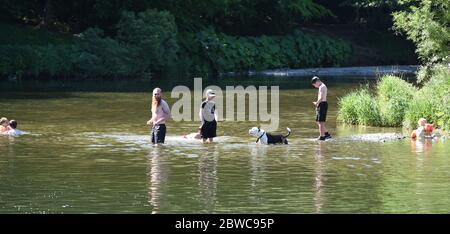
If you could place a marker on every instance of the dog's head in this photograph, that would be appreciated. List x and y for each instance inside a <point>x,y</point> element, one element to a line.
<point>256,131</point>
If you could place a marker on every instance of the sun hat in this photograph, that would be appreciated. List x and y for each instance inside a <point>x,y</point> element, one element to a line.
<point>210,93</point>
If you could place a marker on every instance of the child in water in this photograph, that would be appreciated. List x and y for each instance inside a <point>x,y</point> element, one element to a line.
<point>4,125</point>
<point>13,131</point>
<point>424,130</point>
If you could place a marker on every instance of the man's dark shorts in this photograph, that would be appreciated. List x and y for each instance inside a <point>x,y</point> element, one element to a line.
<point>208,129</point>
<point>158,133</point>
<point>321,112</point>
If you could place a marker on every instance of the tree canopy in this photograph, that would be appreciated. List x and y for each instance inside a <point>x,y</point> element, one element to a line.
<point>235,17</point>
<point>427,24</point>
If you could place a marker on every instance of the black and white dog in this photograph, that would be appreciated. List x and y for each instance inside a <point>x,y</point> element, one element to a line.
<point>267,138</point>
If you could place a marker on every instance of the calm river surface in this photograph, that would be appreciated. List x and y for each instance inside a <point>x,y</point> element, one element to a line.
<point>89,152</point>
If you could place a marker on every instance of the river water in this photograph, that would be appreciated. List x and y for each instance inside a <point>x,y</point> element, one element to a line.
<point>89,152</point>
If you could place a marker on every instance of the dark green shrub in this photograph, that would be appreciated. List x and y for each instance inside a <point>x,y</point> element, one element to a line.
<point>29,60</point>
<point>224,53</point>
<point>151,38</point>
<point>103,56</point>
<point>146,42</point>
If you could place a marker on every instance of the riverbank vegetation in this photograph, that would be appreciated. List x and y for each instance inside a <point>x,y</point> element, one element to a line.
<point>141,38</point>
<point>397,102</point>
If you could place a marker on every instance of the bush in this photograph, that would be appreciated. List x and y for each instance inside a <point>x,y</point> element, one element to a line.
<point>151,37</point>
<point>145,42</point>
<point>103,56</point>
<point>359,107</point>
<point>36,60</point>
<point>394,96</point>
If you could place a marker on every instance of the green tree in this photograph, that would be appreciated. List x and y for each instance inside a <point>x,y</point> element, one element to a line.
<point>145,42</point>
<point>427,24</point>
<point>242,17</point>
<point>151,36</point>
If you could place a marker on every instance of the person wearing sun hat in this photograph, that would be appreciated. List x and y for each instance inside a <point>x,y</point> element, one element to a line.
<point>208,116</point>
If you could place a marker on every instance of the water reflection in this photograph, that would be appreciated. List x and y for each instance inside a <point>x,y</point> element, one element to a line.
<point>5,141</point>
<point>207,179</point>
<point>319,169</point>
<point>422,146</point>
<point>258,171</point>
<point>4,157</point>
<point>158,177</point>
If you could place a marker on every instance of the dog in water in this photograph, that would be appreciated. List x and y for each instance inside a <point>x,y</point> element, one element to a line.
<point>268,138</point>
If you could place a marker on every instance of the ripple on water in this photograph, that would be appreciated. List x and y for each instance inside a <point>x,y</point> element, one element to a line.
<point>140,142</point>
<point>346,158</point>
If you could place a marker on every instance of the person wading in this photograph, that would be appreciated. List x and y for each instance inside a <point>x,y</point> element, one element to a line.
<point>160,113</point>
<point>321,107</point>
<point>208,116</point>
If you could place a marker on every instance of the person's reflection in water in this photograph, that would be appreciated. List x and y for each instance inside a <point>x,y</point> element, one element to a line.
<point>258,170</point>
<point>207,181</point>
<point>423,148</point>
<point>158,177</point>
<point>5,141</point>
<point>8,156</point>
<point>318,177</point>
<point>420,146</point>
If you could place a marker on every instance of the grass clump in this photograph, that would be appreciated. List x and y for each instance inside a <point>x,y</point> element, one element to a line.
<point>359,107</point>
<point>394,96</point>
<point>398,102</point>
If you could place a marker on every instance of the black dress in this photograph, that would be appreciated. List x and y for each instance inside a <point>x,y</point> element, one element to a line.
<point>209,127</point>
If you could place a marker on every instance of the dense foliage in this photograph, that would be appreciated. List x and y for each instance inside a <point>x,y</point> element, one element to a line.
<point>359,107</point>
<point>386,108</point>
<point>230,16</point>
<point>393,96</point>
<point>146,42</point>
<point>427,24</point>
<point>223,53</point>
<point>135,38</point>
<point>432,101</point>
<point>398,103</point>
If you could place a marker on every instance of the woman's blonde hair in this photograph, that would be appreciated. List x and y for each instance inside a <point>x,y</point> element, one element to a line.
<point>3,120</point>
<point>421,120</point>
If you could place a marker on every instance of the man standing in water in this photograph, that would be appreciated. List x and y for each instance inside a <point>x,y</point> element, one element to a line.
<point>321,107</point>
<point>160,113</point>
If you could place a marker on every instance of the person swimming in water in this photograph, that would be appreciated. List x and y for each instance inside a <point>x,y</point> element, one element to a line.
<point>4,125</point>
<point>13,131</point>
